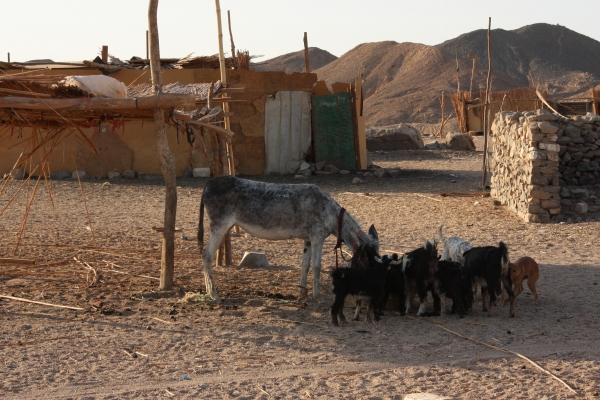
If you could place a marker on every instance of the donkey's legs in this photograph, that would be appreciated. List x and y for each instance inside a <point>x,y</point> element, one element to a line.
<point>304,269</point>
<point>217,233</point>
<point>317,252</point>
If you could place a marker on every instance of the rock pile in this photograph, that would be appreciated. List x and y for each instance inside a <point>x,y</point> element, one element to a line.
<point>540,158</point>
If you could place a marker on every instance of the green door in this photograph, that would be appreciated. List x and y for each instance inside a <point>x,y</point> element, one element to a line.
<point>334,130</point>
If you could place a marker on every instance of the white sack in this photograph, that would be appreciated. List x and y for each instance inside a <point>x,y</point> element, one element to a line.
<point>99,85</point>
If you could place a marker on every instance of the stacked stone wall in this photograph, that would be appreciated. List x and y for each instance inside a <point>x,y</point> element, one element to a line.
<point>544,165</point>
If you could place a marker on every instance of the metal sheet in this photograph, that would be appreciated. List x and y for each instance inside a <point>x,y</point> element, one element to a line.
<point>334,130</point>
<point>287,131</point>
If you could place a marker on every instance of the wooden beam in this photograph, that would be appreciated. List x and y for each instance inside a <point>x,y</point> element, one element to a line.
<point>105,54</point>
<point>162,100</point>
<point>488,90</point>
<point>214,128</point>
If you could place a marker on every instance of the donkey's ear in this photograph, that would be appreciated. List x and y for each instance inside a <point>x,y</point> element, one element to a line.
<point>373,232</point>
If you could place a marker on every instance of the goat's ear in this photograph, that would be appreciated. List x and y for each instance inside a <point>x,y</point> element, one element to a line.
<point>395,257</point>
<point>373,232</point>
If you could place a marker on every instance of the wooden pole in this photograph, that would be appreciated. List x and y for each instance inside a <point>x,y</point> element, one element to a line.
<point>233,56</point>
<point>306,60</point>
<point>147,46</point>
<point>105,53</point>
<point>167,161</point>
<point>226,163</point>
<point>9,58</point>
<point>487,105</point>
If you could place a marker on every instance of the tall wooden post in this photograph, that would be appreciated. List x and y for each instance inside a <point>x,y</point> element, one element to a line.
<point>226,164</point>
<point>486,108</point>
<point>306,60</point>
<point>105,53</point>
<point>167,160</point>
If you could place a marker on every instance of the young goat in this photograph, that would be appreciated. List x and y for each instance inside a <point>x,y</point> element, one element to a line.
<point>366,283</point>
<point>454,247</point>
<point>394,284</point>
<point>454,283</point>
<point>419,267</point>
<point>488,266</point>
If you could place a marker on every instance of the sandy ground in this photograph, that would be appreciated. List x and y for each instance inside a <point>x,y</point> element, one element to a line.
<point>131,341</point>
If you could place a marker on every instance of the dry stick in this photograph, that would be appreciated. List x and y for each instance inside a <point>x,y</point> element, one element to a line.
<point>425,319</point>
<point>304,323</point>
<point>127,273</point>
<point>16,261</point>
<point>161,320</point>
<point>427,197</point>
<point>502,350</point>
<point>38,341</point>
<point>39,302</point>
<point>86,265</point>
<point>87,212</point>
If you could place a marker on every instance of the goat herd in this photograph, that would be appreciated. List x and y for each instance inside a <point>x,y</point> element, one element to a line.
<point>285,211</point>
<point>453,275</point>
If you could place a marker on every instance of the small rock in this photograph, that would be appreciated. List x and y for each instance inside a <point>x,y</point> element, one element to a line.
<point>17,174</point>
<point>356,181</point>
<point>304,165</point>
<point>306,172</point>
<point>201,172</point>
<point>368,174</point>
<point>254,260</point>
<point>79,173</point>
<point>188,173</point>
<point>319,166</point>
<point>394,172</point>
<point>344,172</point>
<point>581,208</point>
<point>331,168</point>
<point>60,175</point>
<point>113,175</point>
<point>379,172</point>
<point>318,172</point>
<point>298,176</point>
<point>128,174</point>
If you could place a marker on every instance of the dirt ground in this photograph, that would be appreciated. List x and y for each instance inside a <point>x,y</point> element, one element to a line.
<point>130,341</point>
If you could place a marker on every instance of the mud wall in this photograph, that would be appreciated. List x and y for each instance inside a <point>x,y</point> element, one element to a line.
<point>133,146</point>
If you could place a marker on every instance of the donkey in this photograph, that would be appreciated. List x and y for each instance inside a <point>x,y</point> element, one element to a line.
<point>276,212</point>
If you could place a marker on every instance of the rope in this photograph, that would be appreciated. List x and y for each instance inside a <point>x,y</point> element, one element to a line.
<point>338,245</point>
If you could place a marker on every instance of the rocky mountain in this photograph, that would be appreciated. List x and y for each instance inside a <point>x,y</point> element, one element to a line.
<point>294,62</point>
<point>404,81</point>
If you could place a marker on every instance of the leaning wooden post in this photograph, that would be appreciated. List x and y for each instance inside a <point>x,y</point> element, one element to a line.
<point>234,59</point>
<point>486,116</point>
<point>167,161</point>
<point>306,60</point>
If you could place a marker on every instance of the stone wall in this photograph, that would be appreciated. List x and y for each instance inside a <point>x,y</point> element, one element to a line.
<point>541,160</point>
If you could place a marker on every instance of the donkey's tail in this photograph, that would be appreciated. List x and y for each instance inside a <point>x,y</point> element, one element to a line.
<point>201,225</point>
<point>504,260</point>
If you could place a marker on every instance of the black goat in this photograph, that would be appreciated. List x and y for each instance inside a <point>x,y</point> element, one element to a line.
<point>454,283</point>
<point>394,284</point>
<point>367,283</point>
<point>419,267</point>
<point>488,266</point>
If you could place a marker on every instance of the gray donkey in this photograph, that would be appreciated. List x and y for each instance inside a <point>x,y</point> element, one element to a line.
<point>276,212</point>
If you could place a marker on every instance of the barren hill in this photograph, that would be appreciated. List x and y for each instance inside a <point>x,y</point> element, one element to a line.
<point>560,59</point>
<point>294,62</point>
<point>403,81</point>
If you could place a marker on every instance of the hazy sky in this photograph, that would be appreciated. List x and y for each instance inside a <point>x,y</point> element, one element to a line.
<point>74,30</point>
